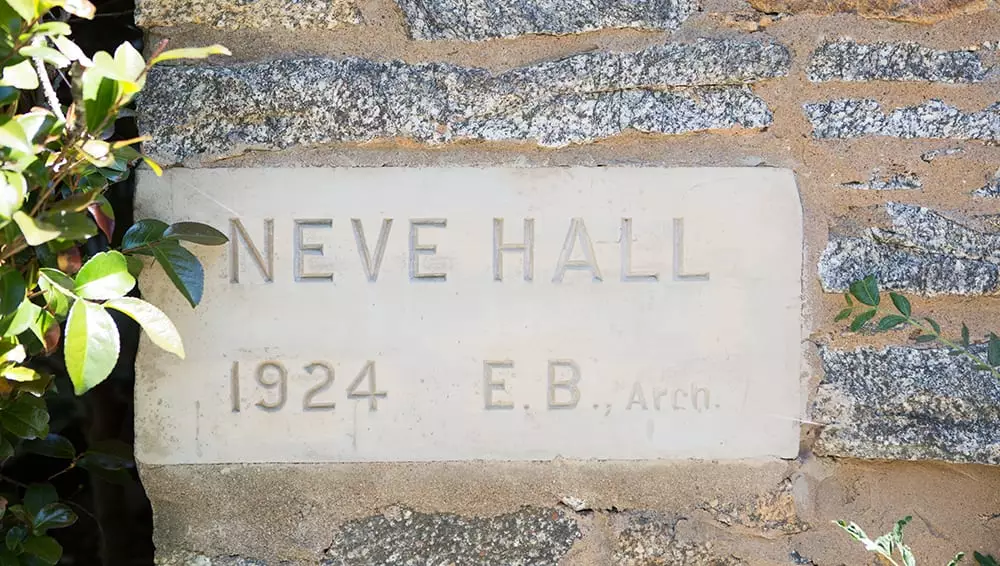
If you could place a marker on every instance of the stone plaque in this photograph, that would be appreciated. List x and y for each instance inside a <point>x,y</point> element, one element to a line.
<point>407,314</point>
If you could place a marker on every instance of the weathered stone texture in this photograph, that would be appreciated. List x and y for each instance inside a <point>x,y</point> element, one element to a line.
<point>531,536</point>
<point>990,189</point>
<point>892,182</point>
<point>854,118</point>
<point>924,11</point>
<point>645,538</point>
<point>922,251</point>
<point>485,19</point>
<point>907,403</point>
<point>847,60</point>
<point>195,559</point>
<point>209,112</point>
<point>933,154</point>
<point>252,14</point>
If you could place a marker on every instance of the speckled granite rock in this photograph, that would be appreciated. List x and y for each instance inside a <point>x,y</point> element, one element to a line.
<point>853,118</point>
<point>892,182</point>
<point>251,14</point>
<point>195,559</point>
<point>990,189</point>
<point>484,19</point>
<point>923,11</point>
<point>907,403</point>
<point>531,536</point>
<point>646,538</point>
<point>847,60</point>
<point>212,112</point>
<point>920,251</point>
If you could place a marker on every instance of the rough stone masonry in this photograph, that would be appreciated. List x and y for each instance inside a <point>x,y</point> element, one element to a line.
<point>850,95</point>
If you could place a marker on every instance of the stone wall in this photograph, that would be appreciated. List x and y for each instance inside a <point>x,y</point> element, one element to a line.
<point>889,114</point>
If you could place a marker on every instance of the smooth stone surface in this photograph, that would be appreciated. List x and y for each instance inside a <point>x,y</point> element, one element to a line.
<point>902,403</point>
<point>848,60</point>
<point>203,113</point>
<point>921,11</point>
<point>477,20</point>
<point>853,118</point>
<point>918,250</point>
<point>253,14</point>
<point>570,364</point>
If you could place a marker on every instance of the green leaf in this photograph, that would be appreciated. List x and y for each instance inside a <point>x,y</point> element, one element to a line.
<point>866,290</point>
<point>57,280</point>
<point>71,225</point>
<point>157,325</point>
<point>15,537</point>
<point>27,417</point>
<point>109,461</point>
<point>191,53</point>
<point>965,335</point>
<point>104,276</point>
<point>6,451</point>
<point>100,96</point>
<point>53,516</point>
<point>12,290</point>
<point>135,265</point>
<point>12,135</point>
<point>848,299</point>
<point>129,62</point>
<point>37,124</point>
<point>143,233</point>
<point>21,320</point>
<point>92,345</point>
<point>183,269</point>
<point>843,314</point>
<point>934,325</point>
<point>13,189</point>
<point>890,321</point>
<point>958,558</point>
<point>993,350</point>
<point>53,446</point>
<point>21,75</point>
<point>902,303</point>
<point>37,496</point>
<point>52,29</point>
<point>47,54</point>
<point>27,9</point>
<point>923,338</point>
<point>985,559</point>
<point>196,233</point>
<point>35,232</point>
<point>21,374</point>
<point>862,319</point>
<point>11,352</point>
<point>45,548</point>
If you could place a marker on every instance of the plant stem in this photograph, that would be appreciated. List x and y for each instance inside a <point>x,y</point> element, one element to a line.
<point>965,351</point>
<point>43,77</point>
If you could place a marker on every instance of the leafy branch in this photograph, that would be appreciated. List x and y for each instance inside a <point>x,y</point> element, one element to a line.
<point>867,309</point>
<point>891,544</point>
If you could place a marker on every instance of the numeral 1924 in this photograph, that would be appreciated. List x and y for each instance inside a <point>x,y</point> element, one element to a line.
<point>272,377</point>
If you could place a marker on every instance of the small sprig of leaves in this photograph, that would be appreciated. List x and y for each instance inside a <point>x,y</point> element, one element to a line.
<point>866,309</point>
<point>890,544</point>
